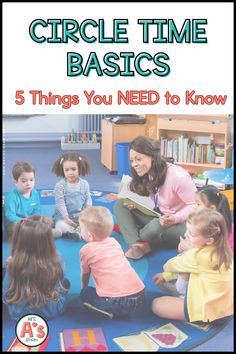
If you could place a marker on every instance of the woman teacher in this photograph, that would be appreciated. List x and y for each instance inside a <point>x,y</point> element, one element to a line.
<point>173,192</point>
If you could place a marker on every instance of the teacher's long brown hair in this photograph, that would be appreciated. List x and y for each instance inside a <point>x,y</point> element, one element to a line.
<point>150,182</point>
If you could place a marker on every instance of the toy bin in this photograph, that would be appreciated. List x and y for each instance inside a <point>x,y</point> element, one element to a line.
<point>122,158</point>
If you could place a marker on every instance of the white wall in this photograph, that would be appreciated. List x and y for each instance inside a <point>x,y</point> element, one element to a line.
<point>48,123</point>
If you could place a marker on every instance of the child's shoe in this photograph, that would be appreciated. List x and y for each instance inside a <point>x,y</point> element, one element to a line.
<point>57,233</point>
<point>138,250</point>
<point>98,311</point>
<point>77,234</point>
<point>74,235</point>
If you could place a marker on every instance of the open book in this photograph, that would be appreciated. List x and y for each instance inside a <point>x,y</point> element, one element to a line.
<point>17,346</point>
<point>151,339</point>
<point>83,340</point>
<point>144,204</point>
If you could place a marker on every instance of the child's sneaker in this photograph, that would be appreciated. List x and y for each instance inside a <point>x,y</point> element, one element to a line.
<point>74,235</point>
<point>98,311</point>
<point>57,233</point>
<point>77,234</point>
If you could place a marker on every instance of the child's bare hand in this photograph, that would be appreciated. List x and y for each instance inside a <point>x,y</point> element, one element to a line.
<point>156,279</point>
<point>184,276</point>
<point>184,244</point>
<point>70,222</point>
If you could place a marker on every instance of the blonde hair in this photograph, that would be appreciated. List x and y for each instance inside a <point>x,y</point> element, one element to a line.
<point>98,220</point>
<point>211,224</point>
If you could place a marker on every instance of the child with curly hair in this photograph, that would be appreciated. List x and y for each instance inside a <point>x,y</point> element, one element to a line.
<point>72,193</point>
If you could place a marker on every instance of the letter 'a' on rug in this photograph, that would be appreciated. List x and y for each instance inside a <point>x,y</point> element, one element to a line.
<point>77,316</point>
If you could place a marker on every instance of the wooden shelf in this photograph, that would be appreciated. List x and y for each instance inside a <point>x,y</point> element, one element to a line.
<point>205,165</point>
<point>217,126</point>
<point>188,125</point>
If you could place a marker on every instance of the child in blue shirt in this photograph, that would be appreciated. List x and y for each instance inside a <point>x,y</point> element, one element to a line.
<point>23,200</point>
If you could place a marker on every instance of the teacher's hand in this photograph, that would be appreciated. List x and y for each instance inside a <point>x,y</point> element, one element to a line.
<point>167,220</point>
<point>129,206</point>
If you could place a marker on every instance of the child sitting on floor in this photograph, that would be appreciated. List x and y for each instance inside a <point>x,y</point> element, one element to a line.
<point>34,279</point>
<point>72,193</point>
<point>209,263</point>
<point>209,196</point>
<point>118,289</point>
<point>23,200</point>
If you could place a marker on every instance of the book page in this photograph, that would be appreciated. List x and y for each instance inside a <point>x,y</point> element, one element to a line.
<point>136,343</point>
<point>84,339</point>
<point>144,209</point>
<point>144,204</point>
<point>17,346</point>
<point>61,342</point>
<point>167,336</point>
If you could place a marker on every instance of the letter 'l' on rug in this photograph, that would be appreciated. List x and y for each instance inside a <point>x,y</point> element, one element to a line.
<point>76,316</point>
